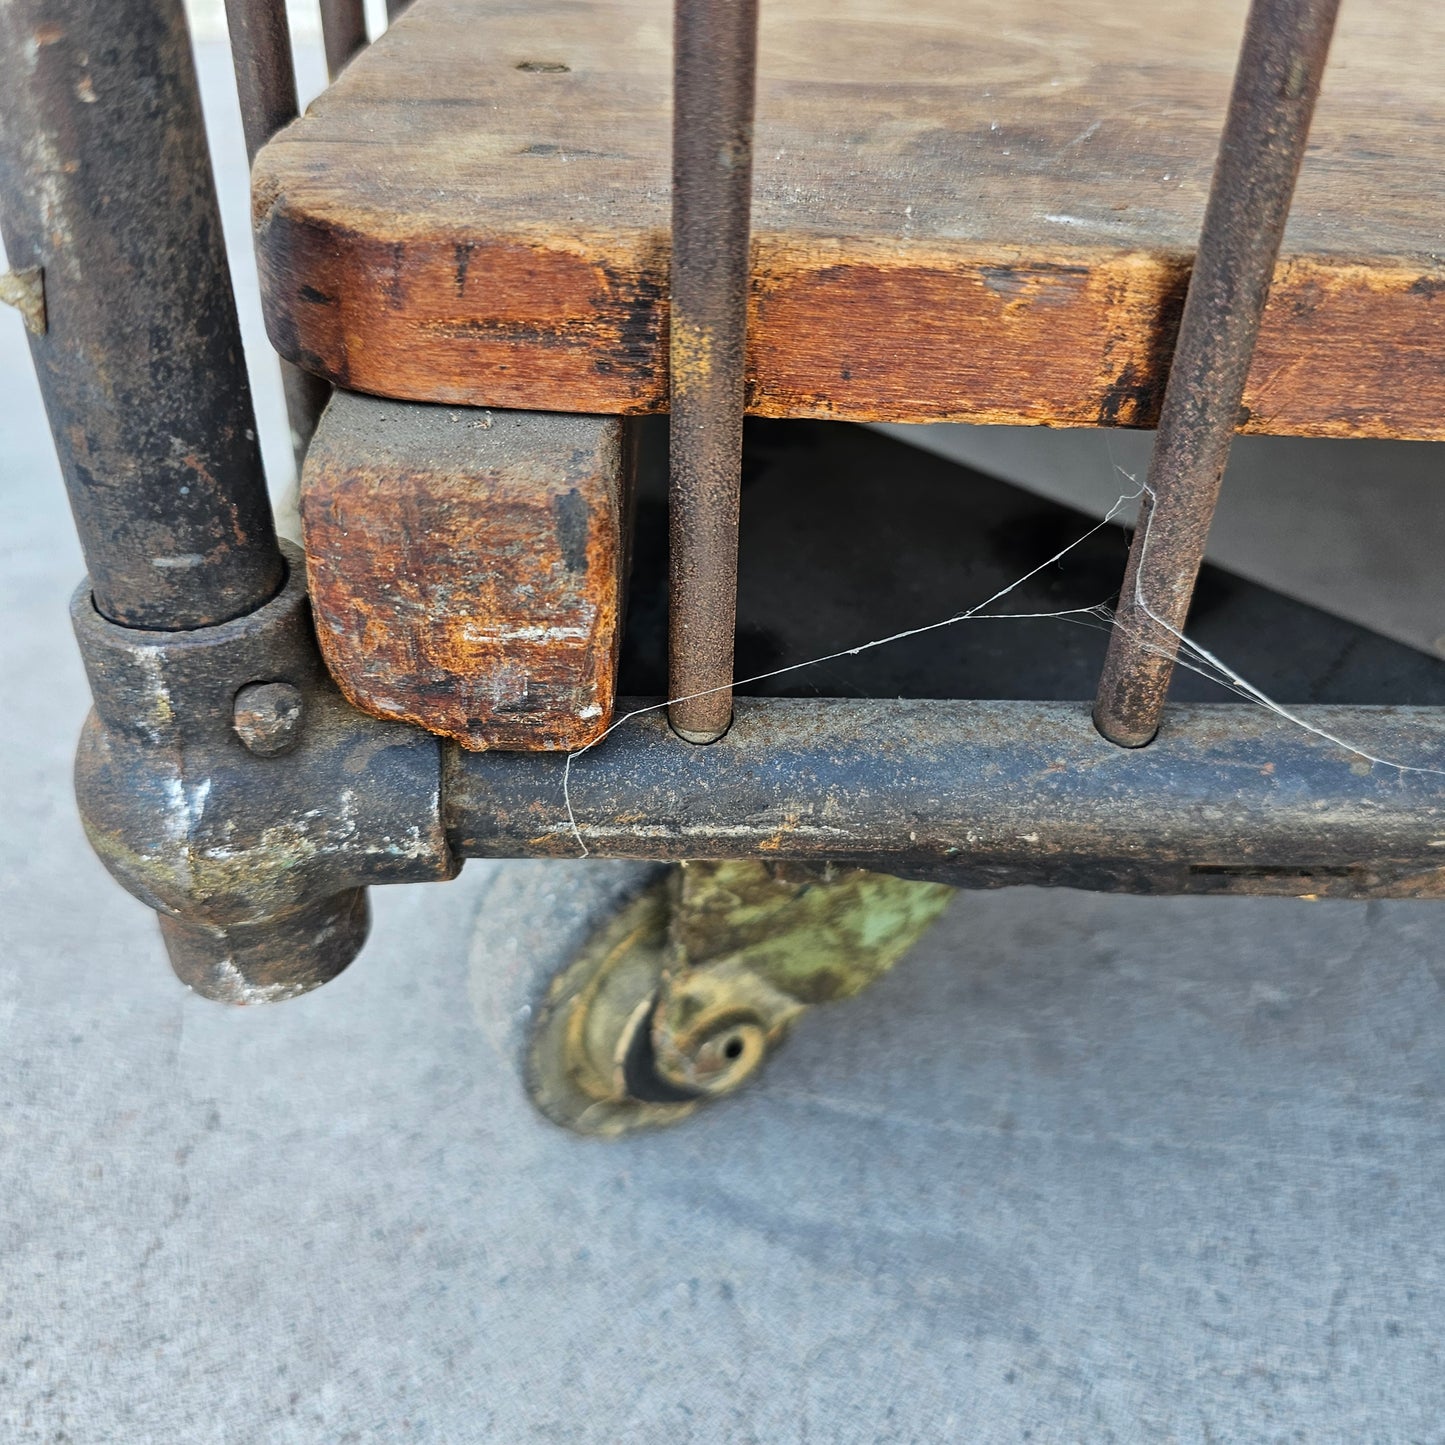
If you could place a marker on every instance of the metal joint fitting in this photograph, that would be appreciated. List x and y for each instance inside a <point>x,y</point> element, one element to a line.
<point>251,821</point>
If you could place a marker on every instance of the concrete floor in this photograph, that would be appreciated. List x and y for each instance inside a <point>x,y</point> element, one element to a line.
<point>1083,1169</point>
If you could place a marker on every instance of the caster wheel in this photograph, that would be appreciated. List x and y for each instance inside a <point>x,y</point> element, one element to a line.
<point>533,922</point>
<point>630,994</point>
<point>626,1040</point>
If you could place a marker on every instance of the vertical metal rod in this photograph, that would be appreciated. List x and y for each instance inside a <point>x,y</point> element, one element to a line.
<point>266,85</point>
<point>714,64</point>
<point>1275,85</point>
<point>343,32</point>
<point>105,184</point>
<point>265,71</point>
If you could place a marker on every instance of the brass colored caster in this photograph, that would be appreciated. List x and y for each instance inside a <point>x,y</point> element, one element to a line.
<point>681,995</point>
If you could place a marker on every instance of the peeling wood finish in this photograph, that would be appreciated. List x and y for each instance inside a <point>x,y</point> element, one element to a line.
<point>981,212</point>
<point>466,568</point>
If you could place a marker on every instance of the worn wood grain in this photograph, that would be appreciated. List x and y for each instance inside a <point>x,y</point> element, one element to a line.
<point>466,567</point>
<point>980,210</point>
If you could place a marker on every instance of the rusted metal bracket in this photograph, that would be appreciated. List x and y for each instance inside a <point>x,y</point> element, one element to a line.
<point>224,781</point>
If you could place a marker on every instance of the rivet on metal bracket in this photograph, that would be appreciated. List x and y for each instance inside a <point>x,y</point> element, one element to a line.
<point>267,717</point>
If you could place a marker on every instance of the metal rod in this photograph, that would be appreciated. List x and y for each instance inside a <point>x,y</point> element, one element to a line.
<point>715,59</point>
<point>1275,85</point>
<point>265,71</point>
<point>1231,798</point>
<point>105,184</point>
<point>266,86</point>
<point>343,32</point>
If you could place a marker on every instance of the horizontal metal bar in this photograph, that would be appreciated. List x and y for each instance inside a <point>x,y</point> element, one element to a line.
<point>1275,85</point>
<point>266,87</point>
<point>1228,799</point>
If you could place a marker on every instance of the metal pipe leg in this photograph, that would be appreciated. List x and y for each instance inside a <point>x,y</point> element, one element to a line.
<point>105,186</point>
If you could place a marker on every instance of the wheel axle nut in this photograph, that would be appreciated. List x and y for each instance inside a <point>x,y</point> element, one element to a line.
<point>710,1040</point>
<point>267,717</point>
<point>724,1059</point>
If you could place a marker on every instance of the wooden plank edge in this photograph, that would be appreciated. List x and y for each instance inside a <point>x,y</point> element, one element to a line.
<point>1351,346</point>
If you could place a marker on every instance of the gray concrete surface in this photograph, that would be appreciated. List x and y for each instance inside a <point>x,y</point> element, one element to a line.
<point>1084,1169</point>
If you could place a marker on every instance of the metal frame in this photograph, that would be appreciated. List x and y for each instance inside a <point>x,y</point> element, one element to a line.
<point>224,780</point>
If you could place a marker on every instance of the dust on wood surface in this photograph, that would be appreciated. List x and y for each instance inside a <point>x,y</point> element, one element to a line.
<point>979,210</point>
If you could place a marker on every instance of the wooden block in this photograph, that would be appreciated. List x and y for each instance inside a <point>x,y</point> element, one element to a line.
<point>467,567</point>
<point>970,210</point>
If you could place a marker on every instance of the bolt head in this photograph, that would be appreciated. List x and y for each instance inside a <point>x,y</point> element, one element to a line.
<point>268,716</point>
